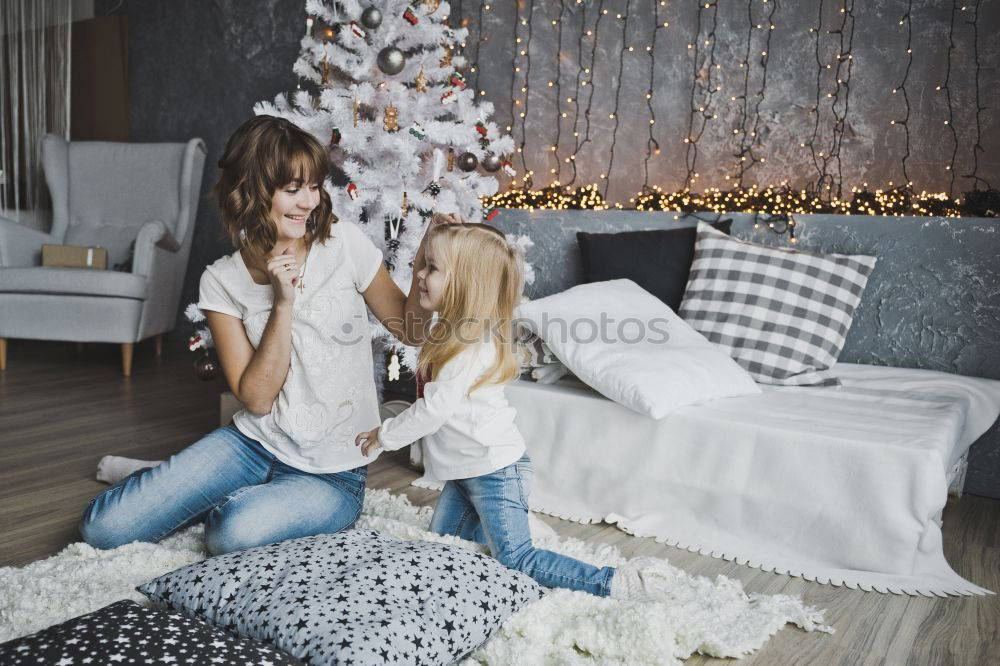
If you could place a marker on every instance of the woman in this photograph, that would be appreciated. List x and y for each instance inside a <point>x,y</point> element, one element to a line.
<point>287,312</point>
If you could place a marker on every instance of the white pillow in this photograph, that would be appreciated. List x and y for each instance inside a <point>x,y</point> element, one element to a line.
<point>627,344</point>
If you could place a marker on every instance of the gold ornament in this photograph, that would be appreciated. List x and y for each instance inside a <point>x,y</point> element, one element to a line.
<point>356,107</point>
<point>391,122</point>
<point>405,208</point>
<point>421,81</point>
<point>446,60</point>
<point>326,72</point>
<point>451,160</point>
<point>432,5</point>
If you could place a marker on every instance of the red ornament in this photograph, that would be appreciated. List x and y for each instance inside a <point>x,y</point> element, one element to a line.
<point>352,191</point>
<point>411,15</point>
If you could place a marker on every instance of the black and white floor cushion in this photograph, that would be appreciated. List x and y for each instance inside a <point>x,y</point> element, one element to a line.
<point>356,597</point>
<point>126,633</point>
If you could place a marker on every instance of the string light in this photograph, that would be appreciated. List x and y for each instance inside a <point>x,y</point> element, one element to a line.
<point>576,95</point>
<point>558,82</point>
<point>618,92</point>
<point>527,92</point>
<point>905,122</point>
<point>708,91</point>
<point>977,147</point>
<point>946,86</point>
<point>651,143</point>
<point>773,204</point>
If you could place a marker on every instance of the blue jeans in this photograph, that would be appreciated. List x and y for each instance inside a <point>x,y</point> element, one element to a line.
<point>493,510</point>
<point>245,495</point>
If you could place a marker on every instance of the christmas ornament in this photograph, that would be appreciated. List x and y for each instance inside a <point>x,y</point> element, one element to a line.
<point>206,368</point>
<point>491,163</point>
<point>352,191</point>
<point>326,72</point>
<point>420,83</point>
<point>410,14</point>
<point>371,18</point>
<point>405,208</point>
<point>394,368</point>
<point>490,212</point>
<point>391,121</point>
<point>356,109</point>
<point>432,5</point>
<point>446,60</point>
<point>451,160</point>
<point>508,168</point>
<point>335,137</point>
<point>391,60</point>
<point>433,189</point>
<point>481,128</point>
<point>196,342</point>
<point>357,31</point>
<point>457,80</point>
<point>467,162</point>
<point>449,34</point>
<point>484,143</point>
<point>438,165</point>
<point>417,131</point>
<point>449,97</point>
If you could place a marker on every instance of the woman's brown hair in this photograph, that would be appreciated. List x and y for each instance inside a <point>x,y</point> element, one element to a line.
<point>263,155</point>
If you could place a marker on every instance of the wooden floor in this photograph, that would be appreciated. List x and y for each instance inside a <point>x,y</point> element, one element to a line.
<point>62,408</point>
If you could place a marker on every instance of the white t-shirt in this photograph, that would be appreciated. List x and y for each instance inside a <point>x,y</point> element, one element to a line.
<point>464,435</point>
<point>329,394</point>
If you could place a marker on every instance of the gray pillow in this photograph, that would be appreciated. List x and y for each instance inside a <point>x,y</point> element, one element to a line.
<point>353,597</point>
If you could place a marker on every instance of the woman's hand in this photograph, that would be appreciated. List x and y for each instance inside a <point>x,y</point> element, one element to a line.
<point>368,441</point>
<point>283,271</point>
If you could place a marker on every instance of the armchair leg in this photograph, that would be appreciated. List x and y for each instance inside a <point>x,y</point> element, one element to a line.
<point>127,359</point>
<point>3,353</point>
<point>158,341</point>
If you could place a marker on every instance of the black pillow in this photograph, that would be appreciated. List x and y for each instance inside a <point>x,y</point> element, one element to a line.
<point>127,633</point>
<point>658,260</point>
<point>352,597</point>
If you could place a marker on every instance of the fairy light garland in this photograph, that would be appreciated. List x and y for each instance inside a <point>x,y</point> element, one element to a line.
<point>818,163</point>
<point>558,89</point>
<point>946,86</point>
<point>526,89</point>
<point>708,90</point>
<point>589,83</point>
<point>905,121</point>
<point>748,140</point>
<point>844,59</point>
<point>978,146</point>
<point>606,176</point>
<point>652,146</point>
<point>782,200</point>
<point>575,100</point>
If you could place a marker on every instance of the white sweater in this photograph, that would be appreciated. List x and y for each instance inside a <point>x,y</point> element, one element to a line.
<point>464,435</point>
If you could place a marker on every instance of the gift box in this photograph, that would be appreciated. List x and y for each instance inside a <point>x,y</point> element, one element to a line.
<point>74,256</point>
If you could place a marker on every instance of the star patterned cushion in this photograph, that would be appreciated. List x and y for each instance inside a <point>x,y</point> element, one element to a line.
<point>355,597</point>
<point>127,633</point>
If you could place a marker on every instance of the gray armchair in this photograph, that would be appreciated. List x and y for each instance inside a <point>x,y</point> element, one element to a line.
<point>109,195</point>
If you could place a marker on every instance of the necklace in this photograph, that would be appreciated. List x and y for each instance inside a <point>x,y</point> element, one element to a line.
<point>301,284</point>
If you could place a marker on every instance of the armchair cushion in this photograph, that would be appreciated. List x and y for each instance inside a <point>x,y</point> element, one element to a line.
<point>115,238</point>
<point>21,245</point>
<point>76,281</point>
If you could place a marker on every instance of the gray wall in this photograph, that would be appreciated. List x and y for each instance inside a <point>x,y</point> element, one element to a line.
<point>872,148</point>
<point>196,68</point>
<point>931,302</point>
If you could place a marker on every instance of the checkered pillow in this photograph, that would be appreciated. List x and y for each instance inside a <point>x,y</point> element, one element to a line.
<point>783,315</point>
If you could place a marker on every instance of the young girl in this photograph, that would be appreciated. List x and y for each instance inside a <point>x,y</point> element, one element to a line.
<point>287,312</point>
<point>472,278</point>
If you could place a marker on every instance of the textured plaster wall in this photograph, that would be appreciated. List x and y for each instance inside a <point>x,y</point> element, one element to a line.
<point>872,148</point>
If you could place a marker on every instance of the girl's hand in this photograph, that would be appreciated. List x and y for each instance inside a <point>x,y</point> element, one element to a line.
<point>436,219</point>
<point>368,441</point>
<point>284,273</point>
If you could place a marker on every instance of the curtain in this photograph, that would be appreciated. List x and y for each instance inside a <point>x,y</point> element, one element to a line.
<point>34,93</point>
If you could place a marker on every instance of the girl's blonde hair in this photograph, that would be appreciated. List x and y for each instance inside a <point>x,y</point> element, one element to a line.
<point>263,155</point>
<point>483,281</point>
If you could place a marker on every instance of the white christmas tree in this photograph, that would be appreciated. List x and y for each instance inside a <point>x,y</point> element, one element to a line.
<point>390,100</point>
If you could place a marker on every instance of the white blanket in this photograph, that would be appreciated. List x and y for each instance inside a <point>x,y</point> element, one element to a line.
<point>838,485</point>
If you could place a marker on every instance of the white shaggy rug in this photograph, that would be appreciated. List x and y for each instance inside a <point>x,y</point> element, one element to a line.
<point>715,618</point>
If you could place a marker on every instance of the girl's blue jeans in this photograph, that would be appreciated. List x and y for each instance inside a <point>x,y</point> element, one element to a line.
<point>493,510</point>
<point>245,495</point>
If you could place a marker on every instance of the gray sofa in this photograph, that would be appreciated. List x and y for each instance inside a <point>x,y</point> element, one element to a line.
<point>132,199</point>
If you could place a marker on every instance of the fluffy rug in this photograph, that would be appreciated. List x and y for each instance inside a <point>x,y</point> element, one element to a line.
<point>716,618</point>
